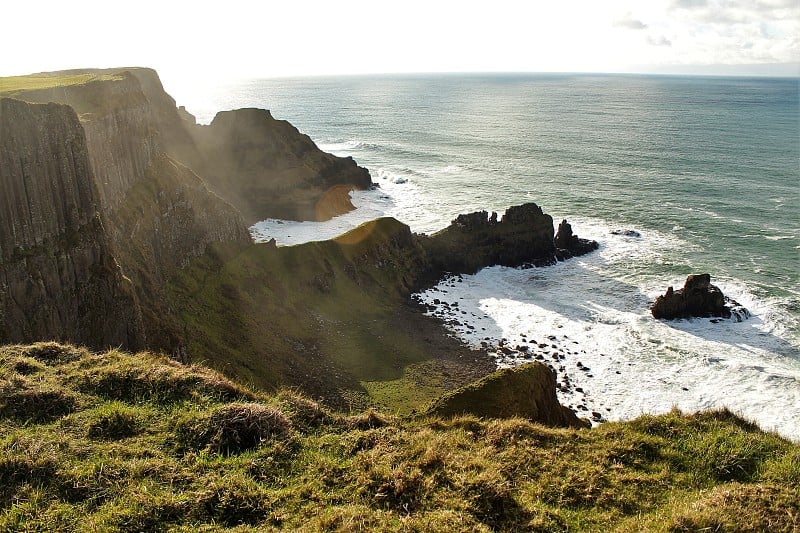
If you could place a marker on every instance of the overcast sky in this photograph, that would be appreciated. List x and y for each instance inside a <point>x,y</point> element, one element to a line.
<point>234,38</point>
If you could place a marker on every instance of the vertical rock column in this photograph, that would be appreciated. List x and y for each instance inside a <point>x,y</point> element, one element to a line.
<point>58,277</point>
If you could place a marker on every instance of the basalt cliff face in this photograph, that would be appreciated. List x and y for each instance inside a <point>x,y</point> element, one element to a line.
<point>58,276</point>
<point>159,214</point>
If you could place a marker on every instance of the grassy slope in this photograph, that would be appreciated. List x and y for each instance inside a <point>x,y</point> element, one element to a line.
<point>117,442</point>
<point>276,316</point>
<point>13,85</point>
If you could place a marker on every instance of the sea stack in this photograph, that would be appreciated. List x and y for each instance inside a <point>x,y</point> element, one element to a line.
<point>697,298</point>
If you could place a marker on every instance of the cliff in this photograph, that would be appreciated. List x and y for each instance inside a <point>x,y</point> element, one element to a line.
<point>159,213</point>
<point>268,169</point>
<point>273,316</point>
<point>58,276</point>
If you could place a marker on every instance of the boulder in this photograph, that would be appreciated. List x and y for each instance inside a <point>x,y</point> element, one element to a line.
<point>697,298</point>
<point>526,391</point>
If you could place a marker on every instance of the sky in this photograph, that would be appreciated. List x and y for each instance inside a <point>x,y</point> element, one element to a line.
<point>243,39</point>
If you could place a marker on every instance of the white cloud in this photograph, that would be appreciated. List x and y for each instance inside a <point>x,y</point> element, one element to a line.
<point>240,38</point>
<point>630,23</point>
<point>659,41</point>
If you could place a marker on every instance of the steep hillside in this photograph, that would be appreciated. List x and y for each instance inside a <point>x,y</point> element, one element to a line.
<point>119,442</point>
<point>58,276</point>
<point>332,318</point>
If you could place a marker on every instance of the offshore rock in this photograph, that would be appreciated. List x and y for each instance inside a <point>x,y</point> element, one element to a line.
<point>570,245</point>
<point>526,391</point>
<point>58,277</point>
<point>697,298</point>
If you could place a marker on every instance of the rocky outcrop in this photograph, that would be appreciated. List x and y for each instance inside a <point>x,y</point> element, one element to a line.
<point>58,277</point>
<point>268,169</point>
<point>526,391</point>
<point>524,236</point>
<point>570,245</point>
<point>697,298</point>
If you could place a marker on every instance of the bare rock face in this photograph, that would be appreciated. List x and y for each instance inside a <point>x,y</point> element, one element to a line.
<point>158,213</point>
<point>526,391</point>
<point>58,277</point>
<point>268,169</point>
<point>697,298</point>
<point>524,236</point>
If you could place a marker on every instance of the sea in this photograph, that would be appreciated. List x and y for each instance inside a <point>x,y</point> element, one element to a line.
<point>671,175</point>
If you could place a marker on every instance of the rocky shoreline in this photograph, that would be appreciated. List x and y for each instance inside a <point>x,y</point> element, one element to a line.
<point>558,352</point>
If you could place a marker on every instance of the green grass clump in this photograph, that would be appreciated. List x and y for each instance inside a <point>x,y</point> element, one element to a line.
<point>226,458</point>
<point>234,428</point>
<point>114,421</point>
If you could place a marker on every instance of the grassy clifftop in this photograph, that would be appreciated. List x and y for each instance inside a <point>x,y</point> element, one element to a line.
<point>13,85</point>
<point>120,442</point>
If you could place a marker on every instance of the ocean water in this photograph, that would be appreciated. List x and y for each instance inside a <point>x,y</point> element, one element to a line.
<point>706,170</point>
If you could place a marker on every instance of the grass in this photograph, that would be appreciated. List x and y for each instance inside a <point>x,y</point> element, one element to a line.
<point>14,85</point>
<point>212,455</point>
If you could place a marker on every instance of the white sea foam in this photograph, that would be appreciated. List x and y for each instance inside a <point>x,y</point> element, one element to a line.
<point>394,197</point>
<point>593,312</point>
<point>369,206</point>
<point>343,148</point>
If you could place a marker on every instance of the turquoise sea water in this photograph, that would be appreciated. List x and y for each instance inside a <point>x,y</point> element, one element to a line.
<point>706,169</point>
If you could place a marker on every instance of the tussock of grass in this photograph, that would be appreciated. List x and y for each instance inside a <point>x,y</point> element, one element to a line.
<point>304,413</point>
<point>369,419</point>
<point>234,428</point>
<point>742,508</point>
<point>36,405</point>
<point>216,457</point>
<point>115,421</point>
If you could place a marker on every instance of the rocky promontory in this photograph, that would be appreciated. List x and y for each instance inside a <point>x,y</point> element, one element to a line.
<point>523,236</point>
<point>268,169</point>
